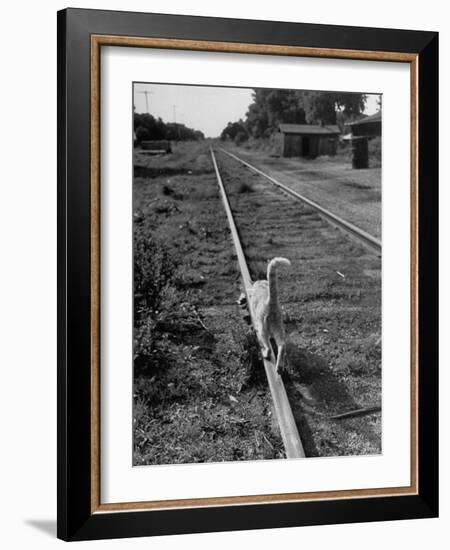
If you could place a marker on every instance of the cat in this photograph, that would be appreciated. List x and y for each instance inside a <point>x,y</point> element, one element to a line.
<point>266,313</point>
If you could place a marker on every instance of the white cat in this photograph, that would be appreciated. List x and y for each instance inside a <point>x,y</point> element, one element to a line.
<point>267,314</point>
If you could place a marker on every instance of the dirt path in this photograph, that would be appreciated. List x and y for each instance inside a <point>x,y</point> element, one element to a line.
<point>354,195</point>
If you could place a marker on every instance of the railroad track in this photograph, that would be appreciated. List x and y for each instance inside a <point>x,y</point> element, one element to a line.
<point>283,412</point>
<point>354,232</point>
<point>285,418</point>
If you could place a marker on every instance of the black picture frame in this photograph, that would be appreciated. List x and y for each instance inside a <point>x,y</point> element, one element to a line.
<point>76,521</point>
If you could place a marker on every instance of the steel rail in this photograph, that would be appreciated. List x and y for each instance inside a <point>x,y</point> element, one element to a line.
<point>370,242</point>
<point>288,428</point>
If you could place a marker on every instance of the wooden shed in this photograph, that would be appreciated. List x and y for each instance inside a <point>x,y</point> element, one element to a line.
<point>307,140</point>
<point>369,126</point>
<point>362,131</point>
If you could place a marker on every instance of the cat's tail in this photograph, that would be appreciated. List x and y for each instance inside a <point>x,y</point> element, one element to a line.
<point>272,277</point>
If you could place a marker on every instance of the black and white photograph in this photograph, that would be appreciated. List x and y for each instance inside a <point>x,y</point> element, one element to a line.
<point>256,273</point>
<point>225,288</point>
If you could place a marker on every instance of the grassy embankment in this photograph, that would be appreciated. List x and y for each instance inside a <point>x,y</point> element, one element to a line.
<point>198,391</point>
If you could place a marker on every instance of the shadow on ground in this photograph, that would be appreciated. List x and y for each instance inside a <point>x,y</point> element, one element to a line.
<point>46,526</point>
<point>315,392</point>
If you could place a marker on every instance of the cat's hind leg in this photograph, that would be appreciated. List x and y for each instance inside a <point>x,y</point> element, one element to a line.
<point>280,358</point>
<point>265,342</point>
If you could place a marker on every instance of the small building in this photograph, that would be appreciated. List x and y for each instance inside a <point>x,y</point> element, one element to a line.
<point>369,126</point>
<point>361,132</point>
<point>307,140</point>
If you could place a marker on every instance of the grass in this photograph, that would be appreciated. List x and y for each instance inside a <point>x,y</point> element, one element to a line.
<point>201,394</point>
<point>270,147</point>
<point>333,321</point>
<point>198,395</point>
<point>189,158</point>
<point>244,187</point>
<point>200,408</point>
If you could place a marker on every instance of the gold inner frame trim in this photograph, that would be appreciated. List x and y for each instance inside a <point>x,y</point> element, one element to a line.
<point>97,41</point>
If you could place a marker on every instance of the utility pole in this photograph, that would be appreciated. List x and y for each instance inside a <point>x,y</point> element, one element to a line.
<point>146,93</point>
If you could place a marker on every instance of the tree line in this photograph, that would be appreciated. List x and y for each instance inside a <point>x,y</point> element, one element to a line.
<point>147,127</point>
<point>270,107</point>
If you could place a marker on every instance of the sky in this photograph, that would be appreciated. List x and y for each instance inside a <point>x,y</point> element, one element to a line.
<point>204,108</point>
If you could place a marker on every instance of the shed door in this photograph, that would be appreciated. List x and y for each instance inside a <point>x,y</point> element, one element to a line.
<point>306,146</point>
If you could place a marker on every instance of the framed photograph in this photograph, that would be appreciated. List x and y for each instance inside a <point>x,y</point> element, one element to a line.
<point>247,255</point>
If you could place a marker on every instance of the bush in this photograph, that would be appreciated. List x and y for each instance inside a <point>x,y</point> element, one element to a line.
<point>240,138</point>
<point>344,151</point>
<point>142,133</point>
<point>249,353</point>
<point>375,152</point>
<point>154,270</point>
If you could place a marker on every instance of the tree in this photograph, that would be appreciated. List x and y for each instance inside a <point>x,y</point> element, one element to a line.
<point>147,127</point>
<point>142,133</point>
<point>240,137</point>
<point>271,107</point>
<point>232,129</point>
<point>323,107</point>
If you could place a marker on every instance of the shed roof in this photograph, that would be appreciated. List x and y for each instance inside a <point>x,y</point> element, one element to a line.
<point>372,118</point>
<point>309,129</point>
